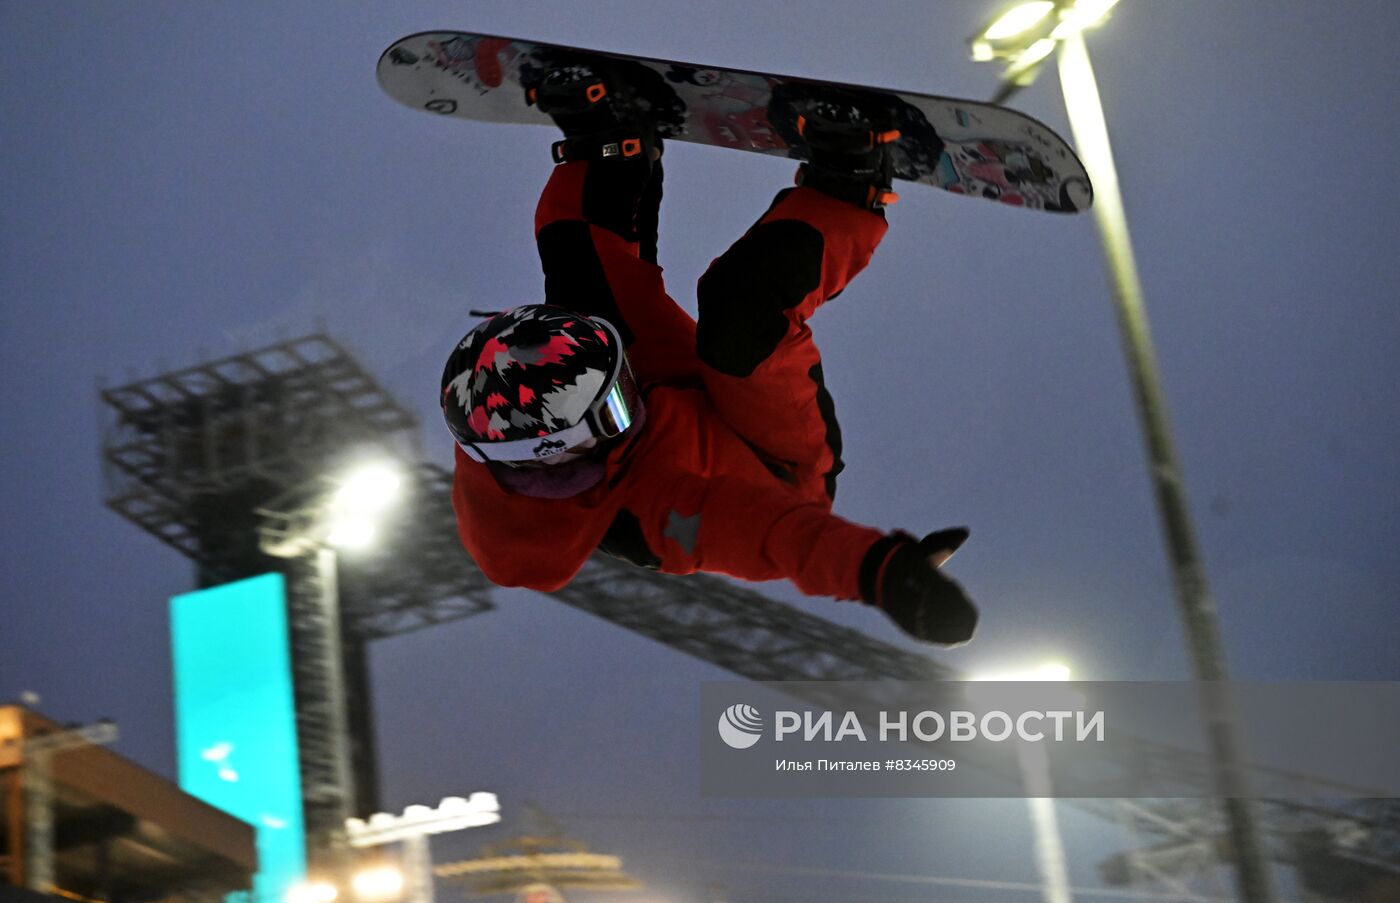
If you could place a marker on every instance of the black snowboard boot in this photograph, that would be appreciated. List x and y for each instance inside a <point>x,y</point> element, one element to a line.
<point>848,137</point>
<point>592,102</point>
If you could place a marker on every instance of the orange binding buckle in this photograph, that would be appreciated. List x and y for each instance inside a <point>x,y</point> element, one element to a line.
<point>879,198</point>
<point>801,125</point>
<point>631,147</point>
<point>596,92</point>
<point>887,137</point>
<point>531,95</point>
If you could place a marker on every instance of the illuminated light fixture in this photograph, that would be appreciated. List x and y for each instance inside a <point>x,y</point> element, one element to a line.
<point>228,774</point>
<point>1050,671</point>
<point>1084,14</point>
<point>454,813</point>
<point>1018,20</point>
<point>370,488</point>
<point>378,883</point>
<point>361,496</point>
<point>312,892</point>
<point>1026,34</point>
<point>351,532</point>
<point>1035,53</point>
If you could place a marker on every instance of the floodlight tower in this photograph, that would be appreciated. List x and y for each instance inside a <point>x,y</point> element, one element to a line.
<point>1024,36</point>
<point>192,455</point>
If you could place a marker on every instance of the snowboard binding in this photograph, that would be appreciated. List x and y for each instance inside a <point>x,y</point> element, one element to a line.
<point>597,108</point>
<point>848,136</point>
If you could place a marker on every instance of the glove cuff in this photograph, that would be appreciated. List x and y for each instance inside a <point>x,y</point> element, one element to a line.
<point>872,566</point>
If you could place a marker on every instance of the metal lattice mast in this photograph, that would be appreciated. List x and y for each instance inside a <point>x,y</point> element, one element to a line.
<point>323,737</point>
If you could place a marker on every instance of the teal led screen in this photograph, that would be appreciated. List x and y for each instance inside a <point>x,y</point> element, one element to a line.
<point>235,725</point>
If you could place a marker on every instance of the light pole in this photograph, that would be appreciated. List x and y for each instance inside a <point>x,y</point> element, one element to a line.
<point>1034,763</point>
<point>1024,36</point>
<point>308,526</point>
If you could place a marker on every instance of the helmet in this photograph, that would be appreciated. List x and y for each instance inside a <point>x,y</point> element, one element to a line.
<point>531,383</point>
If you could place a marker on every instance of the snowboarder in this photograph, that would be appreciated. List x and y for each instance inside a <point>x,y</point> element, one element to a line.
<point>607,418</point>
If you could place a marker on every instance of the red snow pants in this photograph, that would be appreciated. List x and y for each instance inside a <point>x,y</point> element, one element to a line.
<point>751,346</point>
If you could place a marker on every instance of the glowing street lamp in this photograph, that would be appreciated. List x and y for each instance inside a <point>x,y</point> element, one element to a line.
<point>1023,38</point>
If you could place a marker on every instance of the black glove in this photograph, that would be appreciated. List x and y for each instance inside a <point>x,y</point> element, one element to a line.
<point>898,578</point>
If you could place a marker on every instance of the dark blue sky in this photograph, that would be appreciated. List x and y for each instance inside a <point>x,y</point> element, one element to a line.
<point>183,181</point>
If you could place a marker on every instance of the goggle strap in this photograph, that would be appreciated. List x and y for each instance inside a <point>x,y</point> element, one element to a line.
<point>525,449</point>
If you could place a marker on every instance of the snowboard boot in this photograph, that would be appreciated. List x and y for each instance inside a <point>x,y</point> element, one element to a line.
<point>848,138</point>
<point>593,104</point>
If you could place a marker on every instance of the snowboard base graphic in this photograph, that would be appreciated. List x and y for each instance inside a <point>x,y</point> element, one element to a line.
<point>961,146</point>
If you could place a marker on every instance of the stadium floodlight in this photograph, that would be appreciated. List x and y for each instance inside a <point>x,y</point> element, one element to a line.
<point>361,496</point>
<point>1081,15</point>
<point>351,532</point>
<point>454,813</point>
<point>1025,34</point>
<point>331,511</point>
<point>368,489</point>
<point>1050,671</point>
<point>1018,20</point>
<point>413,828</point>
<point>378,883</point>
<point>312,892</point>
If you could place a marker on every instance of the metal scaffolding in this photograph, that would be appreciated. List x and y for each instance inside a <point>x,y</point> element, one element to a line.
<point>196,457</point>
<point>38,753</point>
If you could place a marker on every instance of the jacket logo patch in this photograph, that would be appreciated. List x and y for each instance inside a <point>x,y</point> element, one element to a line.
<point>684,530</point>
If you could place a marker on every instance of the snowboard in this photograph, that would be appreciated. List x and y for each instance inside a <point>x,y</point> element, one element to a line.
<point>962,146</point>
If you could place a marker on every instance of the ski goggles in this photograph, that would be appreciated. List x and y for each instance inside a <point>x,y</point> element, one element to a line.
<point>612,412</point>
